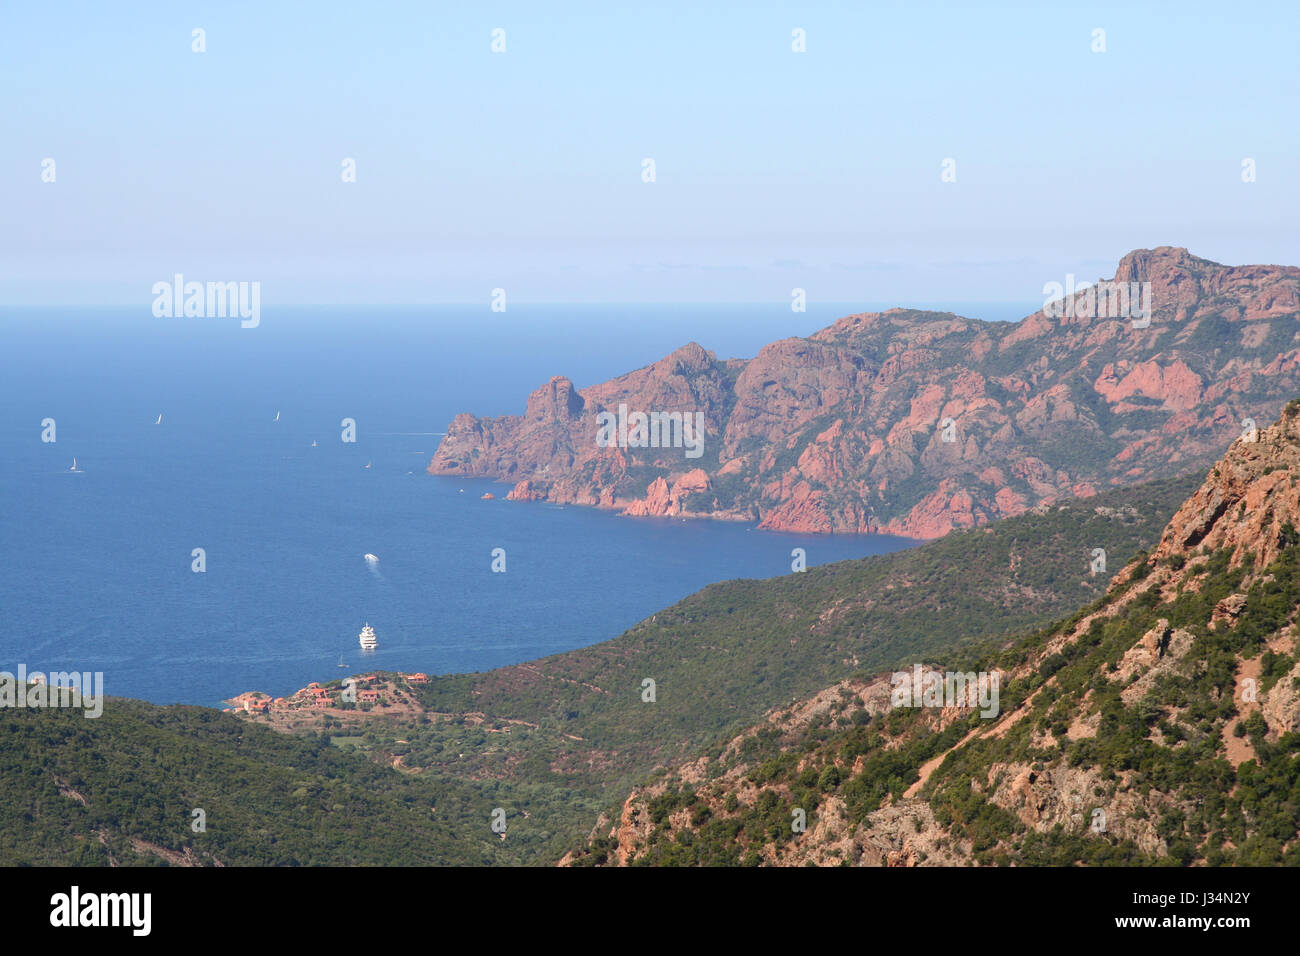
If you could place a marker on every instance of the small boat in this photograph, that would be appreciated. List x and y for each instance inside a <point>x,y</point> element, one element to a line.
<point>369,463</point>
<point>74,465</point>
<point>159,421</point>
<point>341,664</point>
<point>313,444</point>
<point>371,558</point>
<point>368,640</point>
<point>277,416</point>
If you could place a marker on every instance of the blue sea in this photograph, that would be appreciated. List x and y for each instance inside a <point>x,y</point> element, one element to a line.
<point>97,563</point>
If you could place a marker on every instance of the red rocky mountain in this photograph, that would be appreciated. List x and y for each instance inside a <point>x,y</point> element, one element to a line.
<point>912,422</point>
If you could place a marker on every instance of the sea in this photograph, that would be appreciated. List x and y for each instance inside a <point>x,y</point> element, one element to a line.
<point>247,477</point>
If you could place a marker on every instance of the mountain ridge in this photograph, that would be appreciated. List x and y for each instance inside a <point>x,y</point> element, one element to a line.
<point>914,423</point>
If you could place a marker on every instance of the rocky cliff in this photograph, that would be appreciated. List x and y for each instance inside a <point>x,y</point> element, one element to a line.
<point>1157,725</point>
<point>915,423</point>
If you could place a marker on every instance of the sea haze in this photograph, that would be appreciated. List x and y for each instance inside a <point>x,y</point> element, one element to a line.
<point>97,564</point>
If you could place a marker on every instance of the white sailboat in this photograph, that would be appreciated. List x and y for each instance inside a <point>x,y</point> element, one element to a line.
<point>368,464</point>
<point>341,664</point>
<point>277,416</point>
<point>159,421</point>
<point>74,465</point>
<point>313,444</point>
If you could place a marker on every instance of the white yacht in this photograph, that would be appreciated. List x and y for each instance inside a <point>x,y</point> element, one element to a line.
<point>371,558</point>
<point>277,416</point>
<point>368,639</point>
<point>74,465</point>
<point>159,421</point>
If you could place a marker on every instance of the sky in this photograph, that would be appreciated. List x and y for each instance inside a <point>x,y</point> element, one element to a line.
<point>524,169</point>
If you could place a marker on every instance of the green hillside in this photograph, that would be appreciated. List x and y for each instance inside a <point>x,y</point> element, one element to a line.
<point>121,789</point>
<point>1160,725</point>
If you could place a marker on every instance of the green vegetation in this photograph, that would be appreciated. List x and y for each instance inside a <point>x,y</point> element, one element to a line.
<point>1256,807</point>
<point>724,656</point>
<point>1156,761</point>
<point>104,791</point>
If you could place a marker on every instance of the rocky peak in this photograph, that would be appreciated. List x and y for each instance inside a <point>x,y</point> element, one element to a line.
<point>1249,502</point>
<point>556,399</point>
<point>1143,265</point>
<point>691,357</point>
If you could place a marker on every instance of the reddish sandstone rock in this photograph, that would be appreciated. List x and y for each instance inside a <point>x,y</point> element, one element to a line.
<point>662,499</point>
<point>919,422</point>
<point>1175,385</point>
<point>526,490</point>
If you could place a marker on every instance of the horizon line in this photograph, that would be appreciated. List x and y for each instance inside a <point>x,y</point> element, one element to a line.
<point>763,303</point>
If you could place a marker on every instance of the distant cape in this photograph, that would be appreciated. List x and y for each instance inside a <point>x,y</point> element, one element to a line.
<point>914,423</point>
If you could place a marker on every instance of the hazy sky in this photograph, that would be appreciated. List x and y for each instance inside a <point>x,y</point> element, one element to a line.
<point>523,169</point>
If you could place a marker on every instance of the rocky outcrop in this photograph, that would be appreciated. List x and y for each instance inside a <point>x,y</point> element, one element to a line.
<point>1281,706</point>
<point>1248,504</point>
<point>662,499</point>
<point>915,423</point>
